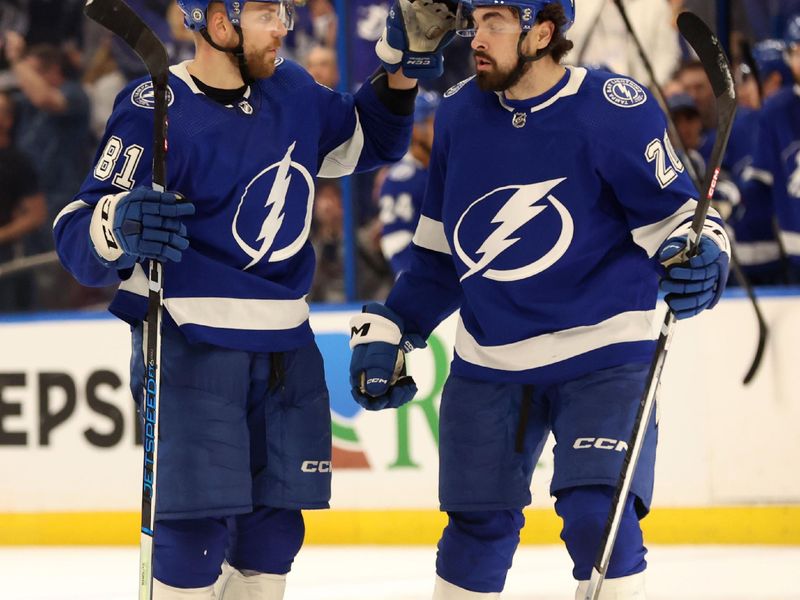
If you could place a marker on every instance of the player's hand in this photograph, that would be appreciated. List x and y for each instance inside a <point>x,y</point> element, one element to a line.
<point>416,33</point>
<point>141,224</point>
<point>378,377</point>
<point>697,284</point>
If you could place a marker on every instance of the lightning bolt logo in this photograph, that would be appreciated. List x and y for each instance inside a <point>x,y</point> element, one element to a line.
<point>521,208</point>
<point>277,200</point>
<point>518,210</point>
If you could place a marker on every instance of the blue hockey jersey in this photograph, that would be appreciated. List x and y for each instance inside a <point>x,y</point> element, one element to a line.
<point>773,179</point>
<point>541,222</point>
<point>757,248</point>
<point>249,168</point>
<point>400,202</point>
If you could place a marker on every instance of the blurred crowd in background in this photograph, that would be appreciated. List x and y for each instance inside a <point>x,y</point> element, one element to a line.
<point>60,74</point>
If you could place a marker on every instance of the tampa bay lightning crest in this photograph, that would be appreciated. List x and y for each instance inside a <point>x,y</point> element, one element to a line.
<point>273,219</point>
<point>497,232</point>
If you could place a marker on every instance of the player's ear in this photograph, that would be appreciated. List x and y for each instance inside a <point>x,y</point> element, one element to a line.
<point>543,33</point>
<point>219,27</point>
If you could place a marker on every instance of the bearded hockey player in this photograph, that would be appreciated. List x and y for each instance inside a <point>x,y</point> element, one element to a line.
<point>245,421</point>
<point>554,197</point>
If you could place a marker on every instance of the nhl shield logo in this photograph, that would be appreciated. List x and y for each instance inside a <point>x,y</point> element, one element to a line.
<point>519,120</point>
<point>246,107</point>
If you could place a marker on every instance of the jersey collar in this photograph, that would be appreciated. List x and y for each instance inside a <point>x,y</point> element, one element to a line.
<point>181,71</point>
<point>569,85</point>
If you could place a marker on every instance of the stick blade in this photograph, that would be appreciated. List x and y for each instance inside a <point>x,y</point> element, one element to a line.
<point>120,19</point>
<point>709,51</point>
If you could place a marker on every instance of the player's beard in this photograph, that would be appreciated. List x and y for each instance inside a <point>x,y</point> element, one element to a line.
<point>498,80</point>
<point>260,64</point>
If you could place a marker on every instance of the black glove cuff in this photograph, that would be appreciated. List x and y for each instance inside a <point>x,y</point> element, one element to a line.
<point>399,102</point>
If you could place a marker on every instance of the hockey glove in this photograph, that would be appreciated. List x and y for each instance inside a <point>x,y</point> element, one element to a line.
<point>142,224</point>
<point>416,33</point>
<point>696,285</point>
<point>378,377</point>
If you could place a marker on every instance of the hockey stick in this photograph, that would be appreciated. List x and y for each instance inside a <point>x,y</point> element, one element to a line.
<point>117,17</point>
<point>716,65</point>
<point>763,331</point>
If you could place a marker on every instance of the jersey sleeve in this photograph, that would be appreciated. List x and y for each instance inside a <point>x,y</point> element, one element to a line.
<point>400,201</point>
<point>359,133</point>
<point>648,178</point>
<point>123,161</point>
<point>429,290</point>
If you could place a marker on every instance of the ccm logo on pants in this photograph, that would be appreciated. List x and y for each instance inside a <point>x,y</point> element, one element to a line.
<point>316,466</point>
<point>600,444</point>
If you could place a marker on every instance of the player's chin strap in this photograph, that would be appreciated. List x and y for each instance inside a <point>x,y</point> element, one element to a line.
<point>238,52</point>
<point>524,58</point>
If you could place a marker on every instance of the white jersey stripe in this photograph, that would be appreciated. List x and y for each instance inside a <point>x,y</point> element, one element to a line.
<point>757,253</point>
<point>791,242</point>
<point>430,235</point>
<point>343,160</point>
<point>392,243</point>
<point>70,208</point>
<point>227,313</point>
<point>551,348</point>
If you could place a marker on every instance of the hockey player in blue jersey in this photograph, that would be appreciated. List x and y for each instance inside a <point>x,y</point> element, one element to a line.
<point>402,191</point>
<point>245,420</point>
<point>753,222</point>
<point>771,182</point>
<point>554,197</point>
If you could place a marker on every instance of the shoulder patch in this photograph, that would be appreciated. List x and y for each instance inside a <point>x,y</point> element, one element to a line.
<point>624,92</point>
<point>457,87</point>
<point>144,97</point>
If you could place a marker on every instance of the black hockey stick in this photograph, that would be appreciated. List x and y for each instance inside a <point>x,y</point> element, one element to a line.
<point>117,17</point>
<point>716,65</point>
<point>763,331</point>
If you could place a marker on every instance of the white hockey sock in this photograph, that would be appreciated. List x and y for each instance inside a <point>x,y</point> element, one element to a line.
<point>444,590</point>
<point>162,591</point>
<point>235,585</point>
<point>623,588</point>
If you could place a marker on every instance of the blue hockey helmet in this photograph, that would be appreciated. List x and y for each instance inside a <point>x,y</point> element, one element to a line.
<point>194,12</point>
<point>770,57</point>
<point>426,105</point>
<point>528,11</point>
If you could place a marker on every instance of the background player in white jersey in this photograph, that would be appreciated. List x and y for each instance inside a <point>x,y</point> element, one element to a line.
<point>554,195</point>
<point>245,419</point>
<point>404,187</point>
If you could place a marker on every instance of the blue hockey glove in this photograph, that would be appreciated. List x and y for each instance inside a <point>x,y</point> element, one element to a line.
<point>378,377</point>
<point>416,33</point>
<point>696,285</point>
<point>141,224</point>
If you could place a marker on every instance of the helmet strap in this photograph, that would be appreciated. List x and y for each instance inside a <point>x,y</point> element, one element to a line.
<point>238,52</point>
<point>540,54</point>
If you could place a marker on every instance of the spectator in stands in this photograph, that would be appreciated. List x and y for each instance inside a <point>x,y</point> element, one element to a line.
<point>689,125</point>
<point>316,24</point>
<point>53,120</point>
<point>102,82</point>
<point>327,237</point>
<point>692,76</point>
<point>322,64</point>
<point>22,210</point>
<point>600,37</point>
